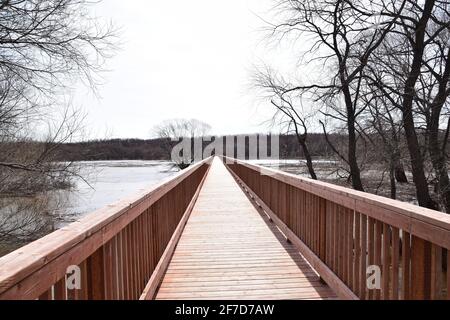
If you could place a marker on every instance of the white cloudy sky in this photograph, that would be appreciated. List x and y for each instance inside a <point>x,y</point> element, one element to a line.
<point>180,59</point>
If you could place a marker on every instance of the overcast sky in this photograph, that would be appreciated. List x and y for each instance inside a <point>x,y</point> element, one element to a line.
<point>180,59</point>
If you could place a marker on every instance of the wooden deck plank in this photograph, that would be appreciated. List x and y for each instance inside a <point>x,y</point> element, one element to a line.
<point>228,250</point>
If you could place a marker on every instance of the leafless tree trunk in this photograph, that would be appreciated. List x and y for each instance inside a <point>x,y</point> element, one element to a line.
<point>437,62</point>
<point>418,171</point>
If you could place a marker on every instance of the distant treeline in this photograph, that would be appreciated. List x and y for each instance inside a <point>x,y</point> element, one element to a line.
<point>156,149</point>
<point>114,149</point>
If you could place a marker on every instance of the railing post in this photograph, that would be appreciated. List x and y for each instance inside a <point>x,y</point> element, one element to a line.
<point>96,276</point>
<point>420,269</point>
<point>323,232</point>
<point>323,229</point>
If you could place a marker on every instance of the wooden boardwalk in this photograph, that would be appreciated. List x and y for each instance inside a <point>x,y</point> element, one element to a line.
<point>197,235</point>
<point>229,250</point>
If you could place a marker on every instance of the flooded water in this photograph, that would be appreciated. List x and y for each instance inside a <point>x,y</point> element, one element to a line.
<point>108,182</point>
<point>325,168</point>
<point>111,181</point>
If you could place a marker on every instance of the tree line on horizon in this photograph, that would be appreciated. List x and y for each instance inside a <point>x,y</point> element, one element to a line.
<point>155,149</point>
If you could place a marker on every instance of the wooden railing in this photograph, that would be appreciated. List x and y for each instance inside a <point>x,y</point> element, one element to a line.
<point>350,237</point>
<point>117,249</point>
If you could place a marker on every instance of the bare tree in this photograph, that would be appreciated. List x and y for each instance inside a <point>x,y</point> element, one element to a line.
<point>384,129</point>
<point>172,131</point>
<point>29,175</point>
<point>437,62</point>
<point>383,54</point>
<point>48,43</point>
<point>341,36</point>
<point>418,47</point>
<point>410,70</point>
<point>45,47</point>
<point>288,114</point>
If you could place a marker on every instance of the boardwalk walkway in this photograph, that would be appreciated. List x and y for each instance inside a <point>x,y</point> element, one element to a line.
<point>229,250</point>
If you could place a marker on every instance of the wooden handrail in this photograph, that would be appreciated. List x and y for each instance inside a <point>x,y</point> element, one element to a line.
<point>116,248</point>
<point>348,231</point>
